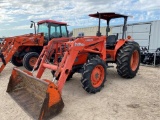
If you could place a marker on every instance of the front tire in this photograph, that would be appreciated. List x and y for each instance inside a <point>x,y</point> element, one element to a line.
<point>128,60</point>
<point>29,60</point>
<point>17,61</point>
<point>94,75</point>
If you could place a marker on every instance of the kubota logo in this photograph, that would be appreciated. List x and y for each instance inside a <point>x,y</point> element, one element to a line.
<point>78,44</point>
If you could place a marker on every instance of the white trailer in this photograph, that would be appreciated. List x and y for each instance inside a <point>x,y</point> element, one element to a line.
<point>147,34</point>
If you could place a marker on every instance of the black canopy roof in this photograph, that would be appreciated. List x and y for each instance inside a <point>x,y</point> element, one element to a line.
<point>108,16</point>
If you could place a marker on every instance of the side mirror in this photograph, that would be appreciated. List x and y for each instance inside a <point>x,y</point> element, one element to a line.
<point>31,25</point>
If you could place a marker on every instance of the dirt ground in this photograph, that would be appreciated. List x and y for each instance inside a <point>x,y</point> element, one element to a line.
<point>120,99</point>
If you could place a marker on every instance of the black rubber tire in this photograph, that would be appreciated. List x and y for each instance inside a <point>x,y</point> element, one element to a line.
<point>26,59</point>
<point>69,76</point>
<point>15,62</point>
<point>86,75</point>
<point>124,57</point>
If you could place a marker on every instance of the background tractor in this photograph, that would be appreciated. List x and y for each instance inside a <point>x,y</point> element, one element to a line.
<point>25,49</point>
<point>86,55</point>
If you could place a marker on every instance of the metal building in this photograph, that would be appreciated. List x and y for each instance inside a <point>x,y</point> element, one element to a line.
<point>147,34</point>
<point>89,31</point>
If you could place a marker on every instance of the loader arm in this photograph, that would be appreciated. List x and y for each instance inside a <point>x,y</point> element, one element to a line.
<point>65,65</point>
<point>7,55</point>
<point>73,48</point>
<point>48,51</point>
<point>5,44</point>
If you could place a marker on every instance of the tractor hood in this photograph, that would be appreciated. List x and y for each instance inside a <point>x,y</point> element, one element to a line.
<point>28,39</point>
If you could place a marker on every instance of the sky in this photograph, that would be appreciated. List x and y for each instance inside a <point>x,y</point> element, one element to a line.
<point>15,15</point>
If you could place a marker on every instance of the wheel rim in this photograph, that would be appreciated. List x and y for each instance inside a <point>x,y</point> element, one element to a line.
<point>32,61</point>
<point>97,76</point>
<point>134,60</point>
<point>18,60</point>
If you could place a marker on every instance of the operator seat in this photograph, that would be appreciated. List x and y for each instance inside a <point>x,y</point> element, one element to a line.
<point>111,41</point>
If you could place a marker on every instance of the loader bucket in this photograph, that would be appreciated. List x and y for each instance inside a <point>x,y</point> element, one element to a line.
<point>39,98</point>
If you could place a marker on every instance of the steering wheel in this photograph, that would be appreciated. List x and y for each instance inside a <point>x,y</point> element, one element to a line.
<point>46,34</point>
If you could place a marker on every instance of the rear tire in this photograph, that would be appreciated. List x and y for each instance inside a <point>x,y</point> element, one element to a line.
<point>128,59</point>
<point>94,75</point>
<point>17,61</point>
<point>29,60</point>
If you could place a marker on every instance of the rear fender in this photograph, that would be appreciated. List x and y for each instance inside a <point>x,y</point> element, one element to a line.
<point>119,44</point>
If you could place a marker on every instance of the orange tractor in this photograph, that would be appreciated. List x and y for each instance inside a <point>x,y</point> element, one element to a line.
<point>25,49</point>
<point>41,98</point>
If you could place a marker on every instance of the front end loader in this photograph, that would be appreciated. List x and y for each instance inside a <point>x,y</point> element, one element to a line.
<point>68,57</point>
<point>41,98</point>
<point>25,49</point>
